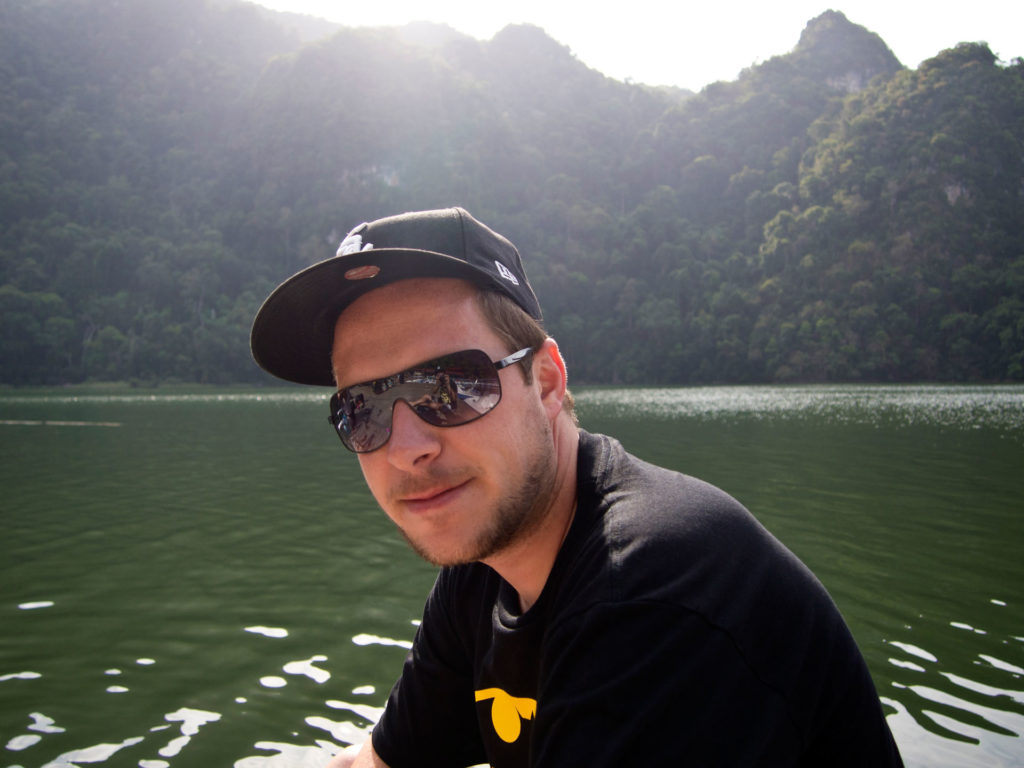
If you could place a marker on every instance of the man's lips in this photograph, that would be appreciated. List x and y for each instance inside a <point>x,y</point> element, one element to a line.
<point>424,501</point>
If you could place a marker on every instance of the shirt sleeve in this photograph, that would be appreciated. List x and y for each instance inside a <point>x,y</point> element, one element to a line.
<point>430,719</point>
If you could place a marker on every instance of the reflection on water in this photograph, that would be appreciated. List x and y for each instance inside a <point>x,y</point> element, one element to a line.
<point>170,738</point>
<point>966,407</point>
<point>972,696</point>
<point>202,579</point>
<point>190,722</point>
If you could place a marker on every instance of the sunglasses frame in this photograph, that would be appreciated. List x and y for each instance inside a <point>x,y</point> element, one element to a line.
<point>336,419</point>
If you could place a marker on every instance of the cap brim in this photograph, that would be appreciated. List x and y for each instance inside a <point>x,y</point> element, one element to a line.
<point>293,332</point>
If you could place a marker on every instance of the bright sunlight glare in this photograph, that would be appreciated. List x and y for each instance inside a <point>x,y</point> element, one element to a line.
<point>692,45</point>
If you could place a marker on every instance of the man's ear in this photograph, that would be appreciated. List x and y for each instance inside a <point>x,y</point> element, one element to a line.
<point>549,373</point>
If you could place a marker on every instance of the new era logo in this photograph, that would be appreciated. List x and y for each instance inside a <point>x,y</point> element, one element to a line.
<point>353,244</point>
<point>506,273</point>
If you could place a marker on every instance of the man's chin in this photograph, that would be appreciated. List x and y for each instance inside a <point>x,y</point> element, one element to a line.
<point>447,555</point>
<point>437,555</point>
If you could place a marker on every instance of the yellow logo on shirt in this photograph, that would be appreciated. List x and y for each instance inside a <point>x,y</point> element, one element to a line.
<point>508,712</point>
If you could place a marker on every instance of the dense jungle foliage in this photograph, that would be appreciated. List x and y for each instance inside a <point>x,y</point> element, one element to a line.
<point>830,215</point>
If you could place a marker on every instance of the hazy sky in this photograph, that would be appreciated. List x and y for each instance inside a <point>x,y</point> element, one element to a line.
<point>662,42</point>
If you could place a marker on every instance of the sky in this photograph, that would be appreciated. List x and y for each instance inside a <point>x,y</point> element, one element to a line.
<point>661,42</point>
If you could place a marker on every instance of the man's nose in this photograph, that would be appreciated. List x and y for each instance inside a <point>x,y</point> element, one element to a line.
<point>413,442</point>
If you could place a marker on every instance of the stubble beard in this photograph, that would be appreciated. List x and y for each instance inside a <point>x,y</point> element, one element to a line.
<point>516,516</point>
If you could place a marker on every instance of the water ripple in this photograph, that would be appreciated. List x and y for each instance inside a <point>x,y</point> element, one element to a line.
<point>970,699</point>
<point>961,406</point>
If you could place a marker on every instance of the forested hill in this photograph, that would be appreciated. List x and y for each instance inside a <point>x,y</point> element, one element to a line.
<point>828,216</point>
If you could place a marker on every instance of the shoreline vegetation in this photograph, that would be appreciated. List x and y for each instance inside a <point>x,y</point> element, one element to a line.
<point>829,216</point>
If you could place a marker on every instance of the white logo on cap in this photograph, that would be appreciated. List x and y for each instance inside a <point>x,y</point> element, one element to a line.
<point>506,273</point>
<point>353,244</point>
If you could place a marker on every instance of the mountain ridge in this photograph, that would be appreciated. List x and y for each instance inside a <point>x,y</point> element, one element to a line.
<point>161,168</point>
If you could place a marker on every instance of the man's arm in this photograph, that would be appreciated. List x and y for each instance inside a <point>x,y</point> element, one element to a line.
<point>357,756</point>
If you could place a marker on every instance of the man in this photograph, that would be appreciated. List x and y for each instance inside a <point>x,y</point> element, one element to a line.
<point>591,609</point>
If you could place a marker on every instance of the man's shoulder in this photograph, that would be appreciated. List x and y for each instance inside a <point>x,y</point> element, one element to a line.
<point>652,533</point>
<point>630,496</point>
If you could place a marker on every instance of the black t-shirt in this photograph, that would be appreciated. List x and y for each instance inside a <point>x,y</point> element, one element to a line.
<point>672,630</point>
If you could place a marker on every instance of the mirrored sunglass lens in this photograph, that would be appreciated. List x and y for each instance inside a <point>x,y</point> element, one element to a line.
<point>360,422</point>
<point>460,387</point>
<point>370,423</point>
<point>477,385</point>
<point>446,392</point>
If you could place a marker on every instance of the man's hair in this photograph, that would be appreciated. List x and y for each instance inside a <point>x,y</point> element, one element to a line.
<point>518,330</point>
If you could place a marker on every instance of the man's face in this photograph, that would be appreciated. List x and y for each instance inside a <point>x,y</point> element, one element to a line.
<point>458,494</point>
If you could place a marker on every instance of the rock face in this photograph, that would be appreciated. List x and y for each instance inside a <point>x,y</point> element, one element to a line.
<point>844,55</point>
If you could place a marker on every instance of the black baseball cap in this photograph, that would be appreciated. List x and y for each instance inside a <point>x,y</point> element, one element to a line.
<point>293,332</point>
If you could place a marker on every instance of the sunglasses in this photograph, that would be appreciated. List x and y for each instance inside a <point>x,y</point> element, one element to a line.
<point>447,391</point>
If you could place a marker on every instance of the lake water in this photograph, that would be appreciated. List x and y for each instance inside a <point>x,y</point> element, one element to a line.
<point>201,579</point>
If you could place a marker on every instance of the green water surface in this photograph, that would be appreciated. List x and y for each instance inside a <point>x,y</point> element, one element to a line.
<point>201,579</point>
